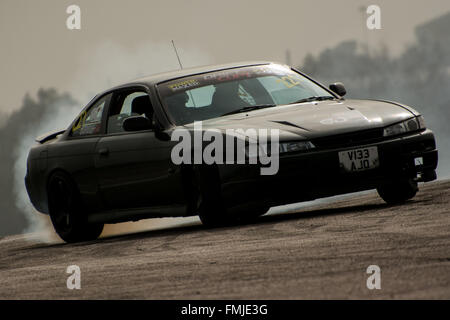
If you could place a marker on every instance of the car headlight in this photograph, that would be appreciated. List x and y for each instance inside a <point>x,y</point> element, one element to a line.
<point>421,121</point>
<point>409,125</point>
<point>296,146</point>
<point>283,147</point>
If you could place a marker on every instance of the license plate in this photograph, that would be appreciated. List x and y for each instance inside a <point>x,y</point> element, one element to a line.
<point>359,159</point>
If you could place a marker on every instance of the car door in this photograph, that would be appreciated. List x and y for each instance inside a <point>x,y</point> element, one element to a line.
<point>134,169</point>
<point>75,154</point>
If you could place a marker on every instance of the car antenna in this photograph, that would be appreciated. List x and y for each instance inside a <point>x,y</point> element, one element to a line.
<point>181,67</point>
<point>178,57</point>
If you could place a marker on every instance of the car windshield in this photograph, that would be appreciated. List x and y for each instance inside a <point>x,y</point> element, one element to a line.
<point>219,93</point>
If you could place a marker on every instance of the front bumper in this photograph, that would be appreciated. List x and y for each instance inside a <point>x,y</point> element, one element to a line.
<point>317,174</point>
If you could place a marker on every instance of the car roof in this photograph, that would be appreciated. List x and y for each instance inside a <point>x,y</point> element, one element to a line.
<point>166,76</point>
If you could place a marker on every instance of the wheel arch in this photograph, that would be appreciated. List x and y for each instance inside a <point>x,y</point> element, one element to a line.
<point>189,188</point>
<point>189,180</point>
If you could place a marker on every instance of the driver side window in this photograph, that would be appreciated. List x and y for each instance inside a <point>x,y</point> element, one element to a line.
<point>125,105</point>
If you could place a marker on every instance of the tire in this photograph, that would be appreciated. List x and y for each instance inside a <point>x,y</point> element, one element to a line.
<point>398,192</point>
<point>66,211</point>
<point>211,208</point>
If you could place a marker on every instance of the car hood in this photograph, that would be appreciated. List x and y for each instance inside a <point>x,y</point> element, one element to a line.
<point>316,119</point>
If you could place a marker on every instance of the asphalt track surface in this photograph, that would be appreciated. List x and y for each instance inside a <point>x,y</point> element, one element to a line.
<point>314,253</point>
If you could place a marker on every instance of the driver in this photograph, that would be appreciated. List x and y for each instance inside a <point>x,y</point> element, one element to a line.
<point>177,106</point>
<point>178,101</point>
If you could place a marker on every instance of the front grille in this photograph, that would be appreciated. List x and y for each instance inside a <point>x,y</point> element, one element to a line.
<point>349,139</point>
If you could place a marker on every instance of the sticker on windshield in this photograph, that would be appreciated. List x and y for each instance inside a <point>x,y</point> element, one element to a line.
<point>184,84</point>
<point>228,75</point>
<point>288,81</point>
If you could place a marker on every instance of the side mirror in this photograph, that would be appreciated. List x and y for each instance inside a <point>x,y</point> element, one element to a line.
<point>338,88</point>
<point>136,123</point>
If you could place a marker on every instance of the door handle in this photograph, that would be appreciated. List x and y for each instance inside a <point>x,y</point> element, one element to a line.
<point>103,151</point>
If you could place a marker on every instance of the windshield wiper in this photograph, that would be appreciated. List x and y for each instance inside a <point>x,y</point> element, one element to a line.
<point>314,98</point>
<point>250,108</point>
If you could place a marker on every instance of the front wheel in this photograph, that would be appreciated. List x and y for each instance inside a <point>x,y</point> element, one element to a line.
<point>66,212</point>
<point>211,208</point>
<point>398,192</point>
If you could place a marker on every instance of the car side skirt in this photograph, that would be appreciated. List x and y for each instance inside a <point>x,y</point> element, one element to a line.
<point>136,214</point>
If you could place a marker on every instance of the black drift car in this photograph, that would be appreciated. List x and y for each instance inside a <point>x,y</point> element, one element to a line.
<point>114,163</point>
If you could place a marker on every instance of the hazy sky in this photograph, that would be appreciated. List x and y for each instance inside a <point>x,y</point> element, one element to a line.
<point>121,38</point>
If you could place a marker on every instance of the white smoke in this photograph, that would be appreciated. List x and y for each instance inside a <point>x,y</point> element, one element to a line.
<point>3,119</point>
<point>102,67</point>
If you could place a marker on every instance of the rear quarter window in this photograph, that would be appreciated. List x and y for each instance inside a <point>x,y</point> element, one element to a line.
<point>89,122</point>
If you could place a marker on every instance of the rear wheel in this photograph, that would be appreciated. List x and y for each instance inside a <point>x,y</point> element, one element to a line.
<point>398,192</point>
<point>66,213</point>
